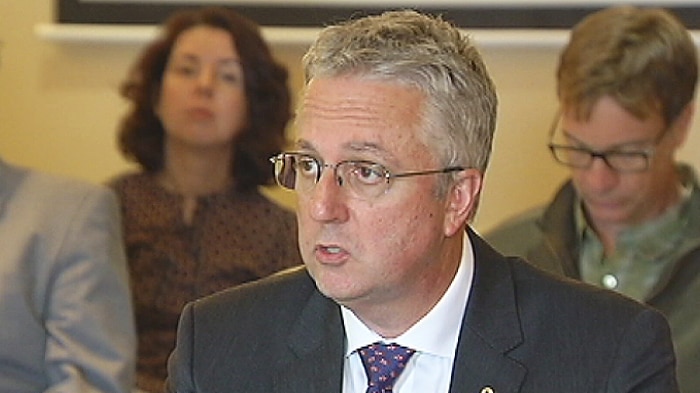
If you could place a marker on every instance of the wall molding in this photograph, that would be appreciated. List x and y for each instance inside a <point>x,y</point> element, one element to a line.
<point>62,33</point>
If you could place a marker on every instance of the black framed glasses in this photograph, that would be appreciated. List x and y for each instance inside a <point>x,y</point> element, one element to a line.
<point>620,160</point>
<point>364,179</point>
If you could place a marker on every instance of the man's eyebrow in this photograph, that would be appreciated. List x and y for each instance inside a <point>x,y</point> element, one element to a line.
<point>616,146</point>
<point>303,144</point>
<point>356,147</point>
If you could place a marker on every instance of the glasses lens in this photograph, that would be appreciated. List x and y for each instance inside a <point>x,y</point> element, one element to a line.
<point>296,171</point>
<point>628,161</point>
<point>571,156</point>
<point>365,179</point>
<point>285,175</point>
<point>306,169</point>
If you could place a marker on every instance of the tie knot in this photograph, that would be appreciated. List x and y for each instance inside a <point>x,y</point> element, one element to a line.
<point>383,364</point>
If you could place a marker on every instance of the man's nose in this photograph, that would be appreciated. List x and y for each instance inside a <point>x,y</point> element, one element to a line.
<point>328,198</point>
<point>600,175</point>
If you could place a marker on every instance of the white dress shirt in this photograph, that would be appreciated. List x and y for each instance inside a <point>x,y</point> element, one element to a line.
<point>434,337</point>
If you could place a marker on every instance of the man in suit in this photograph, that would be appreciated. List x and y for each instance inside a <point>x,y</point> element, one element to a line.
<point>66,322</point>
<point>395,128</point>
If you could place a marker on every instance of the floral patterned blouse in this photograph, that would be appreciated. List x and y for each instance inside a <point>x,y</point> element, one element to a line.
<point>233,238</point>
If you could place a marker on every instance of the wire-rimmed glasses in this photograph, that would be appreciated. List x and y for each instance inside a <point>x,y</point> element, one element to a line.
<point>365,179</point>
<point>620,160</point>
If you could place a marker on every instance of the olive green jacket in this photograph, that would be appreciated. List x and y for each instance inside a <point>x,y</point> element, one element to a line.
<point>547,237</point>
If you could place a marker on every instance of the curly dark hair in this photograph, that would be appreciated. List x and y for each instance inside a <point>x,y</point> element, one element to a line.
<point>141,133</point>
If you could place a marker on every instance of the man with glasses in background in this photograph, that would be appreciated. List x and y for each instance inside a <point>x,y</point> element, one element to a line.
<point>629,217</point>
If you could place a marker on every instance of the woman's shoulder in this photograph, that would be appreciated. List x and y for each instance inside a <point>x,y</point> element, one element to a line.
<point>126,180</point>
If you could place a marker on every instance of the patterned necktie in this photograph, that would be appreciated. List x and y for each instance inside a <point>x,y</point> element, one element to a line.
<point>383,364</point>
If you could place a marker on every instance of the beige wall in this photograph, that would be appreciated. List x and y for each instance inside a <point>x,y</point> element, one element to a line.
<point>59,108</point>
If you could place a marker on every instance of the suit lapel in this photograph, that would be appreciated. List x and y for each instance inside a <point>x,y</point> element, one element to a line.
<point>317,341</point>
<point>490,329</point>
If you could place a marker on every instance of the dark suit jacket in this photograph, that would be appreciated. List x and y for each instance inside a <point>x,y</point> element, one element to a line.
<point>523,331</point>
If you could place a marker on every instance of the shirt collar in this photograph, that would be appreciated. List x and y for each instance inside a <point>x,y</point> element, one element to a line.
<point>649,237</point>
<point>438,331</point>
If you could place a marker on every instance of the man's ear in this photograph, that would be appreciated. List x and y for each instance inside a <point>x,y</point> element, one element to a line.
<point>462,200</point>
<point>683,123</point>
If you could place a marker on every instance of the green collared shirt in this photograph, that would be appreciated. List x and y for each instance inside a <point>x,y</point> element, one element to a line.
<point>643,254</point>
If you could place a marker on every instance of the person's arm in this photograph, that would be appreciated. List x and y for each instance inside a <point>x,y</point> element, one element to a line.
<point>91,339</point>
<point>645,360</point>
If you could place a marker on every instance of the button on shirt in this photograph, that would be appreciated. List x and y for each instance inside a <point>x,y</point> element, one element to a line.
<point>643,254</point>
<point>434,338</point>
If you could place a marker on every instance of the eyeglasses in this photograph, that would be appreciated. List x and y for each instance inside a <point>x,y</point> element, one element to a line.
<point>619,160</point>
<point>364,179</point>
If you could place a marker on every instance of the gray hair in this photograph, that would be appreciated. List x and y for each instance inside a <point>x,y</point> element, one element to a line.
<point>427,53</point>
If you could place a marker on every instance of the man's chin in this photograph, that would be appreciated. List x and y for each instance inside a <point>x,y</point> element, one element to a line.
<point>609,217</point>
<point>332,285</point>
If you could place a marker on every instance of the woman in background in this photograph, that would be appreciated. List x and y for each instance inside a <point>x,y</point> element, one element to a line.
<point>209,107</point>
